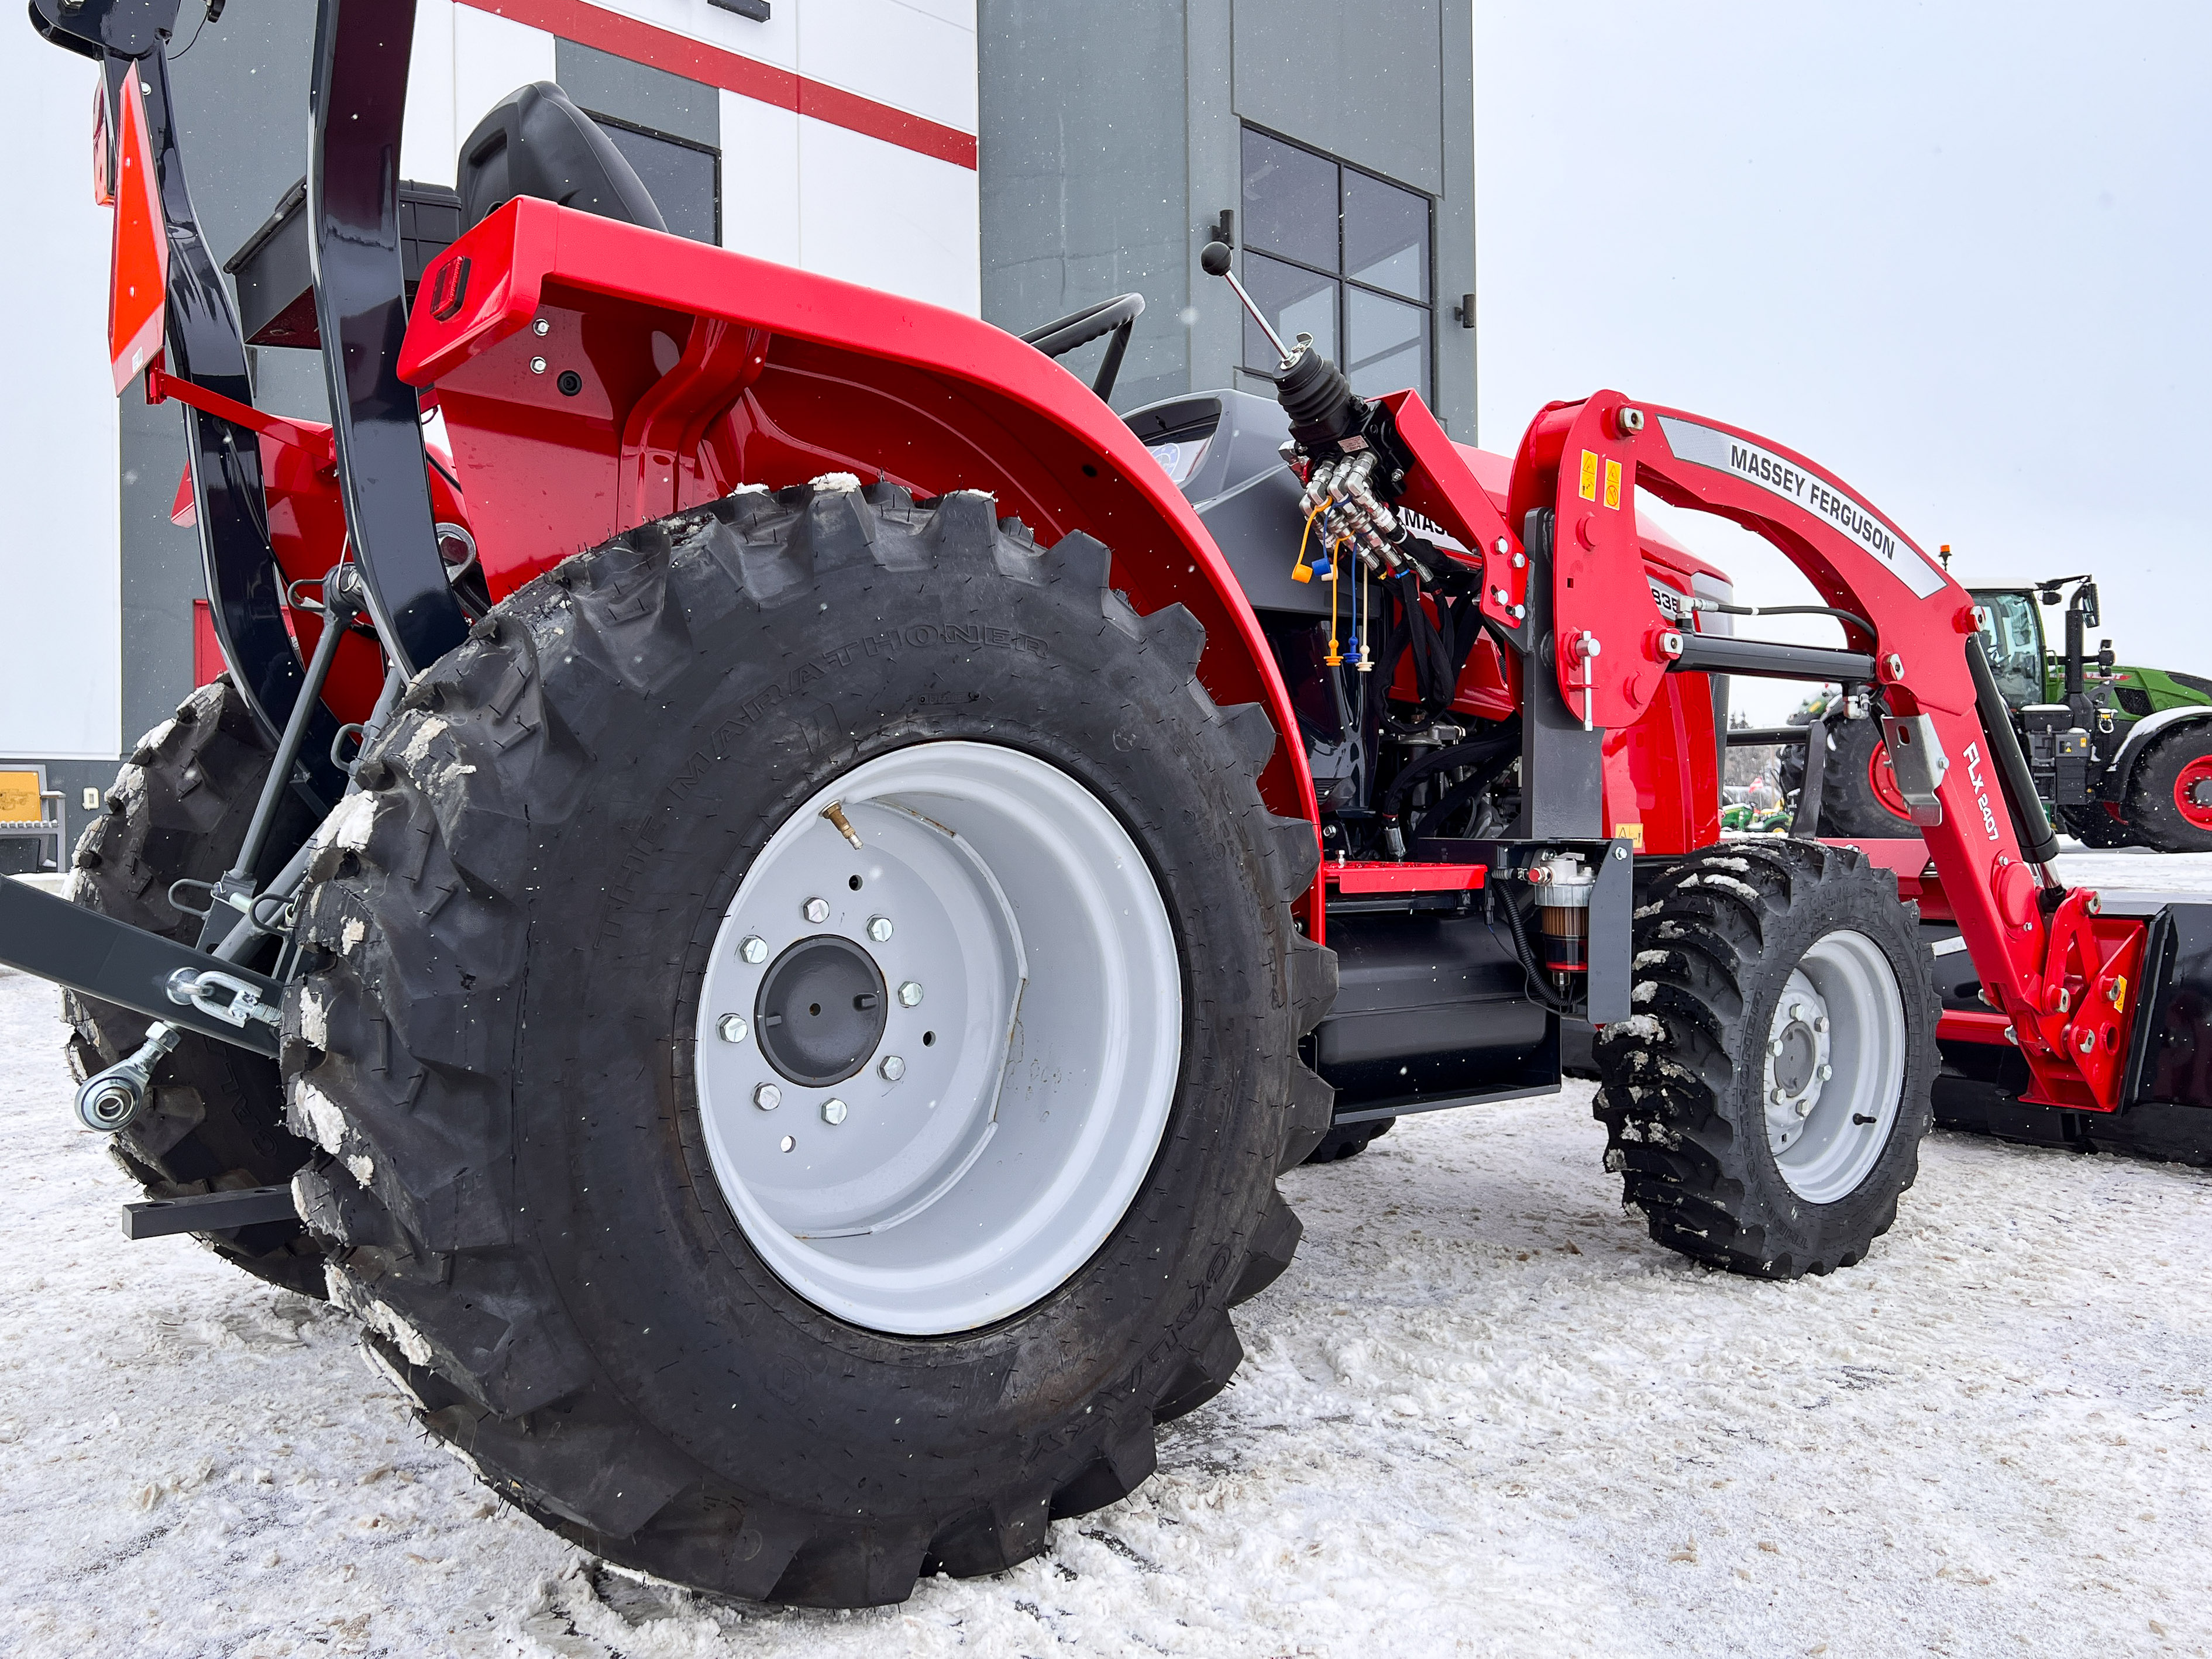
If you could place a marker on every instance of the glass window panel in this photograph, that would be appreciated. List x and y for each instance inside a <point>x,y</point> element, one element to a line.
<point>1389,344</point>
<point>1385,236</point>
<point>1290,201</point>
<point>2012,636</point>
<point>679,178</point>
<point>1296,302</point>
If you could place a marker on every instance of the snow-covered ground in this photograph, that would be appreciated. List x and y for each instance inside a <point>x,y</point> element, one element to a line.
<point>1482,1414</point>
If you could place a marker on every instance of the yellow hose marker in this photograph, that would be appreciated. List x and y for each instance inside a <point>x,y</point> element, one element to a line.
<point>1303,572</point>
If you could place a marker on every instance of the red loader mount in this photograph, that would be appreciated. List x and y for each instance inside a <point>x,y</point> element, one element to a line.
<point>776,975</point>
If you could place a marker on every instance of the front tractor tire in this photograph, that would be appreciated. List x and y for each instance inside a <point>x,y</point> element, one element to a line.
<point>215,1117</point>
<point>803,1022</point>
<point>1765,1104</point>
<point>2169,802</point>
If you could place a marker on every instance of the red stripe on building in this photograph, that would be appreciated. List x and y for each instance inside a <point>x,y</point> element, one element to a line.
<point>663,49</point>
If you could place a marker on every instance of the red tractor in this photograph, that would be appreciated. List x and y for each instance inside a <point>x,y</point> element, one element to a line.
<point>775,929</point>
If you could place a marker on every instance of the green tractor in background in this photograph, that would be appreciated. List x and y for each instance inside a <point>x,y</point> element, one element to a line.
<point>2122,754</point>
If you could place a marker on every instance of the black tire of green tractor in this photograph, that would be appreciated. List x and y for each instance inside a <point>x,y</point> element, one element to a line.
<point>1349,1141</point>
<point>178,810</point>
<point>510,926</point>
<point>2149,805</point>
<point>1714,941</point>
<point>1849,806</point>
<point>2094,827</point>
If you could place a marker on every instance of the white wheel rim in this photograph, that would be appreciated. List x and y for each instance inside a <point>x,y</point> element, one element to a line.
<point>1034,1072</point>
<point>1834,1073</point>
<point>1835,1067</point>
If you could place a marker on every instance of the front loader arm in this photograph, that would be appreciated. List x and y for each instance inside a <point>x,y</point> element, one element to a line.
<point>2057,969</point>
<point>2047,960</point>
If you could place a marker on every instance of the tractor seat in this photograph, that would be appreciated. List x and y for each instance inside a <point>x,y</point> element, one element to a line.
<point>535,143</point>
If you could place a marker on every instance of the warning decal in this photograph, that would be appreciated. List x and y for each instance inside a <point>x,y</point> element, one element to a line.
<point>1613,484</point>
<point>1589,474</point>
<point>1726,452</point>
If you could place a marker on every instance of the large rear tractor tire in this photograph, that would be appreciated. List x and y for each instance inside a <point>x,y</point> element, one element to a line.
<point>216,1116</point>
<point>1766,1103</point>
<point>2169,794</point>
<point>804,1018</point>
<point>2096,825</point>
<point>1858,795</point>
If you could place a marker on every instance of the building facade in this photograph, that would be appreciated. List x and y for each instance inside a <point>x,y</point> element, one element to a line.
<point>1020,158</point>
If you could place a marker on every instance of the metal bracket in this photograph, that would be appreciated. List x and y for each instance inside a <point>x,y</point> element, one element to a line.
<point>1918,763</point>
<point>208,1212</point>
<point>226,996</point>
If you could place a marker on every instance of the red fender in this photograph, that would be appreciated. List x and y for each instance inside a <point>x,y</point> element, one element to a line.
<point>593,375</point>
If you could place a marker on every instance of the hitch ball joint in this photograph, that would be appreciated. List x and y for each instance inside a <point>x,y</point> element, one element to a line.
<point>1564,884</point>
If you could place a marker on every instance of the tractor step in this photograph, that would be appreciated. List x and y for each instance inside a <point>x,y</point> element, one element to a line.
<point>209,1212</point>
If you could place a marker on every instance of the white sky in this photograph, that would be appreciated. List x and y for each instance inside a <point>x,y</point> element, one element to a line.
<point>1955,253</point>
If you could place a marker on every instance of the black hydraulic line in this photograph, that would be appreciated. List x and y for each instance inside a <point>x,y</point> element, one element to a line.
<point>1539,993</point>
<point>2038,845</point>
<point>359,94</point>
<point>1850,616</point>
<point>1723,653</point>
<point>1764,737</point>
<point>1476,751</point>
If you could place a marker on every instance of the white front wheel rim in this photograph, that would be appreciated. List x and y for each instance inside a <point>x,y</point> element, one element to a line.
<point>1834,1076</point>
<point>952,1152</point>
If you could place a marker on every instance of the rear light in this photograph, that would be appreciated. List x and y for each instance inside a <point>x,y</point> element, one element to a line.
<point>103,148</point>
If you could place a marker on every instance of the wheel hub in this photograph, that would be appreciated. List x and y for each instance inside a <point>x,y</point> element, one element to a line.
<point>821,1010</point>
<point>1834,1070</point>
<point>2192,792</point>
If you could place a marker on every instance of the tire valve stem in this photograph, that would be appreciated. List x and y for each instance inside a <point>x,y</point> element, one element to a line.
<point>835,811</point>
<point>1563,884</point>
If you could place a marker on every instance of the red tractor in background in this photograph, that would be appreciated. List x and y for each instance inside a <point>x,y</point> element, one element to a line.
<point>773,935</point>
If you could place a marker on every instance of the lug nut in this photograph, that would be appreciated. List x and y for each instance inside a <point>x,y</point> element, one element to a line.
<point>1774,1047</point>
<point>1804,1107</point>
<point>816,909</point>
<point>1825,1072</point>
<point>1820,1023</point>
<point>731,1028</point>
<point>1796,1011</point>
<point>833,1111</point>
<point>767,1096</point>
<point>910,995</point>
<point>893,1068</point>
<point>753,948</point>
<point>1781,1095</point>
<point>879,929</point>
